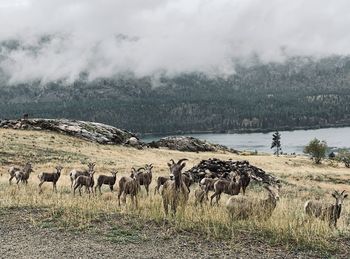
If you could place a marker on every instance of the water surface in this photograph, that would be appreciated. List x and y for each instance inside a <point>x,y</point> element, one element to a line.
<point>292,141</point>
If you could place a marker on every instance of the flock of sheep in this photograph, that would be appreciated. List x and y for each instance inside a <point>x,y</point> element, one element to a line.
<point>175,190</point>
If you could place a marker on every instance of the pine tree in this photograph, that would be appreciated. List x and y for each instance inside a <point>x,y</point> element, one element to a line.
<point>276,142</point>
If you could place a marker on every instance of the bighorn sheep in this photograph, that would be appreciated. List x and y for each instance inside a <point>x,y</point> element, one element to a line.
<point>231,187</point>
<point>50,177</point>
<point>145,178</point>
<point>108,180</point>
<point>12,170</point>
<point>244,207</point>
<point>160,181</point>
<point>326,211</point>
<point>83,180</point>
<point>207,184</point>
<point>74,174</point>
<point>186,177</point>
<point>244,179</point>
<point>129,186</point>
<point>199,195</point>
<point>175,191</point>
<point>23,175</point>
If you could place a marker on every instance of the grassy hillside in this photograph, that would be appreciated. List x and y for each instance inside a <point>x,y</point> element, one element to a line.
<point>288,228</point>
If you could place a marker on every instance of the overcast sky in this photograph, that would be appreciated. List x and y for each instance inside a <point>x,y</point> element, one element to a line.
<point>107,37</point>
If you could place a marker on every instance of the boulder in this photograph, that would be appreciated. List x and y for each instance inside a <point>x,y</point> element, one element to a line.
<point>189,144</point>
<point>92,131</point>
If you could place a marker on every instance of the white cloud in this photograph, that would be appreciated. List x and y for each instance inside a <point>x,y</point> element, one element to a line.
<point>107,37</point>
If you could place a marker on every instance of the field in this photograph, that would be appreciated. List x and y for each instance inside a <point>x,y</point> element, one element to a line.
<point>97,227</point>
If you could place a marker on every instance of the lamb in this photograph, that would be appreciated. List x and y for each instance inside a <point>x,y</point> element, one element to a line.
<point>74,174</point>
<point>108,180</point>
<point>231,187</point>
<point>199,195</point>
<point>160,182</point>
<point>175,191</point>
<point>129,186</point>
<point>23,175</point>
<point>244,207</point>
<point>326,211</point>
<point>145,178</point>
<point>50,177</point>
<point>83,180</point>
<point>12,170</point>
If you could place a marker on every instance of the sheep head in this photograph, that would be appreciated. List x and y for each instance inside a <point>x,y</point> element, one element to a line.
<point>176,168</point>
<point>339,197</point>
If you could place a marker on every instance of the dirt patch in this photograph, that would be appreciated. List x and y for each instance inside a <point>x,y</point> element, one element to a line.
<point>20,238</point>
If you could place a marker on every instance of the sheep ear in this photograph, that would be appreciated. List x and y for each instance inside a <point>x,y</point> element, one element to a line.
<point>169,165</point>
<point>333,194</point>
<point>345,195</point>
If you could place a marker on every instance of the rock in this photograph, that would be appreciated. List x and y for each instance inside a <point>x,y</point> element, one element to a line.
<point>92,131</point>
<point>220,169</point>
<point>189,144</point>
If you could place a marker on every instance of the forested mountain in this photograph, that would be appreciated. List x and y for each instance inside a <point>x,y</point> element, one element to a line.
<point>299,93</point>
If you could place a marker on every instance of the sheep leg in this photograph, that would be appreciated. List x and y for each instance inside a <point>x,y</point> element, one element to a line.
<point>165,205</point>
<point>80,190</point>
<point>147,189</point>
<point>54,187</point>
<point>218,198</point>
<point>10,180</point>
<point>119,194</point>
<point>110,187</point>
<point>211,198</point>
<point>136,202</point>
<point>40,190</point>
<point>124,197</point>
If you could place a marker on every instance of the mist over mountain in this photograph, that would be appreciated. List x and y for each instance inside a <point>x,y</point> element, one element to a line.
<point>171,66</point>
<point>300,93</point>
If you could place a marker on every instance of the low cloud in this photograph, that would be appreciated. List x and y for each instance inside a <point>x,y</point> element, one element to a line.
<point>59,39</point>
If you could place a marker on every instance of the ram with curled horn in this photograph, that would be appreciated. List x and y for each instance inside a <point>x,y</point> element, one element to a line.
<point>175,191</point>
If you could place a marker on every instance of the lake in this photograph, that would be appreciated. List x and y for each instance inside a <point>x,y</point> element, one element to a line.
<point>292,141</point>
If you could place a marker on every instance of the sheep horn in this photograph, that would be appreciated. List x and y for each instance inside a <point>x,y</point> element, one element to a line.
<point>172,160</point>
<point>342,192</point>
<point>181,160</point>
<point>141,168</point>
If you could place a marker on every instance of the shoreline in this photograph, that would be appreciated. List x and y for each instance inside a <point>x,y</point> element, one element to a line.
<point>241,131</point>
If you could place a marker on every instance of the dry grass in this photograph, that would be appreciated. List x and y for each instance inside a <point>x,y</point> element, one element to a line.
<point>288,225</point>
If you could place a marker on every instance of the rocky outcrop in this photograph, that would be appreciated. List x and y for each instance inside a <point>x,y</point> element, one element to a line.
<point>216,168</point>
<point>189,144</point>
<point>92,131</point>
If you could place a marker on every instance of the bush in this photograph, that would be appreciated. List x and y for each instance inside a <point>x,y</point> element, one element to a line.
<point>317,149</point>
<point>344,156</point>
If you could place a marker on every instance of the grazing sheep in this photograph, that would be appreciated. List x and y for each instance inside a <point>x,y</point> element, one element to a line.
<point>326,211</point>
<point>207,184</point>
<point>74,174</point>
<point>12,170</point>
<point>160,181</point>
<point>50,177</point>
<point>108,180</point>
<point>244,207</point>
<point>23,175</point>
<point>175,191</point>
<point>244,179</point>
<point>145,178</point>
<point>129,186</point>
<point>83,180</point>
<point>231,187</point>
<point>199,195</point>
